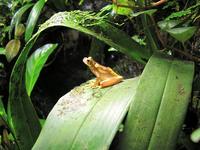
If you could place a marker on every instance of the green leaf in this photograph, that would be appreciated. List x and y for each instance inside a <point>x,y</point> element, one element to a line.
<point>182,34</point>
<point>164,88</point>
<point>146,104</point>
<point>195,136</point>
<point>149,12</point>
<point>35,63</point>
<point>32,19</point>
<point>22,116</point>
<point>96,26</point>
<point>166,25</point>
<point>2,51</point>
<point>16,19</point>
<point>12,48</point>
<point>87,118</point>
<point>176,98</point>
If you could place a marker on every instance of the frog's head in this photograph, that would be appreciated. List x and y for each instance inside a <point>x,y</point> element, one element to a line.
<point>88,61</point>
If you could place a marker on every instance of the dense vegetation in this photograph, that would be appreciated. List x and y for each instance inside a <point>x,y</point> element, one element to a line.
<point>42,44</point>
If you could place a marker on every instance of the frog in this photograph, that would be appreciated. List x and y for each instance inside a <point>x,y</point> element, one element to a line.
<point>105,76</point>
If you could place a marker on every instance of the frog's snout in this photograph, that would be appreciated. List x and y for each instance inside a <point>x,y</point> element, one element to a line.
<point>85,60</point>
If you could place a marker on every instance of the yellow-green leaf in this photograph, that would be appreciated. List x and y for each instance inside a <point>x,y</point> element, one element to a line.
<point>12,49</point>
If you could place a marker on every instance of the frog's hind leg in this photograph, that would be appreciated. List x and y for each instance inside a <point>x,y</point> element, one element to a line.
<point>111,81</point>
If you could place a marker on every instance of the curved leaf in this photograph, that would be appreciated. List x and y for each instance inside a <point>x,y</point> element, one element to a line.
<point>98,27</point>
<point>182,34</point>
<point>32,19</point>
<point>87,118</point>
<point>143,111</point>
<point>16,19</point>
<point>22,119</point>
<point>35,63</point>
<point>150,125</point>
<point>176,98</point>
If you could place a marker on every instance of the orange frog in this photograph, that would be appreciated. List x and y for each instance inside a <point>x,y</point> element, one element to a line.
<point>105,75</point>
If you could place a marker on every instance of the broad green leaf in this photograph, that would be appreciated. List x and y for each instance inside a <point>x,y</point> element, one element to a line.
<point>143,111</point>
<point>35,63</point>
<point>12,49</point>
<point>182,34</point>
<point>149,12</point>
<point>166,25</point>
<point>98,27</point>
<point>195,136</point>
<point>164,88</point>
<point>176,98</point>
<point>87,118</point>
<point>32,19</point>
<point>2,51</point>
<point>16,19</point>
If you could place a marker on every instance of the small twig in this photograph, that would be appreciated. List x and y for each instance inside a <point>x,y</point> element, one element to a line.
<point>160,2</point>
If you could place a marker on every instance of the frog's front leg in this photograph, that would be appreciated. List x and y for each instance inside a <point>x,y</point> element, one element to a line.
<point>111,81</point>
<point>96,83</point>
